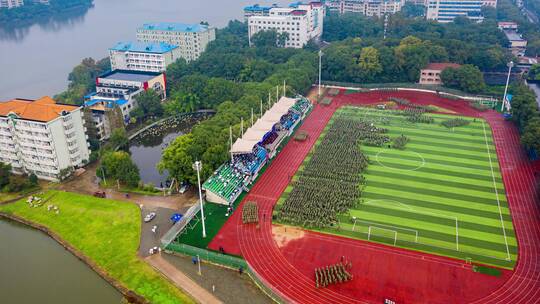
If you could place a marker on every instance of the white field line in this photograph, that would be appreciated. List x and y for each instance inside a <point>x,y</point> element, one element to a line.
<point>496,193</point>
<point>372,224</point>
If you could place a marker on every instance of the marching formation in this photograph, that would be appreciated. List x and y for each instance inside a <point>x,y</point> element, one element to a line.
<point>250,213</point>
<point>316,198</point>
<point>333,274</point>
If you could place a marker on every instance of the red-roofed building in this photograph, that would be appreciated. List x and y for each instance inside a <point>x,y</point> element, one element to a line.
<point>431,74</point>
<point>42,137</point>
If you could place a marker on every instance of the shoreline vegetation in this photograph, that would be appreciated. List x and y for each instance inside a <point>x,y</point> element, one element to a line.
<point>31,13</point>
<point>111,247</point>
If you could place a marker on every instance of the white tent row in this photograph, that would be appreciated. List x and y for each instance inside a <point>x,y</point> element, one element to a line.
<point>263,125</point>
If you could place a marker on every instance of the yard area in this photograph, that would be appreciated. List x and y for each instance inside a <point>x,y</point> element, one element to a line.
<point>108,233</point>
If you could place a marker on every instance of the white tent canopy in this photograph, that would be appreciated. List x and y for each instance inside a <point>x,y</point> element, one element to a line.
<point>243,146</point>
<point>253,134</point>
<point>262,125</point>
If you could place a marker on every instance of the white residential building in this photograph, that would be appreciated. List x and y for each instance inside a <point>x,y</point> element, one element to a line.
<point>191,39</point>
<point>365,7</point>
<point>42,137</point>
<point>302,22</point>
<point>143,56</point>
<point>11,3</point>
<point>446,10</point>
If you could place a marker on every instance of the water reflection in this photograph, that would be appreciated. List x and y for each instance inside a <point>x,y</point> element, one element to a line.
<point>54,23</point>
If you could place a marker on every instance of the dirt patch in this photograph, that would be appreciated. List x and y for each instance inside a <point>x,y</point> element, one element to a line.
<point>284,234</point>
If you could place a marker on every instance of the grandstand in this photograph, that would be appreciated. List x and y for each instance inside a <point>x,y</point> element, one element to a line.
<point>254,148</point>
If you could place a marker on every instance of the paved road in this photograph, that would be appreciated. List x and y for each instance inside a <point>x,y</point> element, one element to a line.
<point>182,281</point>
<point>163,223</point>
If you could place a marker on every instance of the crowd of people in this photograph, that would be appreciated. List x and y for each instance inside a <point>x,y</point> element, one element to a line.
<point>333,274</point>
<point>250,213</point>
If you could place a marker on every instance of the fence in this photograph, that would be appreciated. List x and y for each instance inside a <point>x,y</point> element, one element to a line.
<point>229,262</point>
<point>180,225</point>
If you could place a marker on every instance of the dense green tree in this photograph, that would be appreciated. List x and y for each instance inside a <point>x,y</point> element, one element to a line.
<point>411,10</point>
<point>531,134</point>
<point>149,102</point>
<point>178,159</point>
<point>82,80</point>
<point>5,172</point>
<point>467,78</point>
<point>119,166</point>
<point>118,138</point>
<point>534,72</point>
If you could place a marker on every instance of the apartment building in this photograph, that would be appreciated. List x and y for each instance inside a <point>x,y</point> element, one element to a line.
<point>11,3</point>
<point>257,10</point>
<point>302,22</point>
<point>191,39</point>
<point>42,137</point>
<point>143,56</point>
<point>365,7</point>
<point>119,89</point>
<point>446,10</point>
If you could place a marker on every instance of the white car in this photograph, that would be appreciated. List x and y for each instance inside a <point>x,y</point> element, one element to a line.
<point>150,216</point>
<point>153,250</point>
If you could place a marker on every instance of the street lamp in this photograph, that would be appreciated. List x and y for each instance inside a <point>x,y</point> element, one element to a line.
<point>320,64</point>
<point>198,167</point>
<point>510,65</point>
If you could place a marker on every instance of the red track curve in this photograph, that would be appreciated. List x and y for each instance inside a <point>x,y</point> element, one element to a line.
<point>380,271</point>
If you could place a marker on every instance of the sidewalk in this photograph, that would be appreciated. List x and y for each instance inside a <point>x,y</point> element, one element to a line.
<point>181,280</point>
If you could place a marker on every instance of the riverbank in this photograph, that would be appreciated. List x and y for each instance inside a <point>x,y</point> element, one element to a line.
<point>105,235</point>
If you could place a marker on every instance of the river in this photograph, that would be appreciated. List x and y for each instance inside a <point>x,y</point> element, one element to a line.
<point>34,268</point>
<point>36,60</point>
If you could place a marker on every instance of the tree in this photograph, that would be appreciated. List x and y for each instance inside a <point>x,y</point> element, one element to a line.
<point>267,38</point>
<point>534,72</point>
<point>33,179</point>
<point>467,78</point>
<point>150,103</point>
<point>5,172</point>
<point>531,134</point>
<point>119,166</point>
<point>369,62</point>
<point>118,138</point>
<point>178,159</point>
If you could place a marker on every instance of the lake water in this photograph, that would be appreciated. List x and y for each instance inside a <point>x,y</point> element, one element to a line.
<point>36,60</point>
<point>34,268</point>
<point>146,148</point>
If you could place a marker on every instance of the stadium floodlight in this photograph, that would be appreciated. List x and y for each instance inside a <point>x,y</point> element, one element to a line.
<point>198,167</point>
<point>510,65</point>
<point>320,64</point>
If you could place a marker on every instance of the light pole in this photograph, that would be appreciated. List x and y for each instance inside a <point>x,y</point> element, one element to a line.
<point>510,66</point>
<point>199,263</point>
<point>198,166</point>
<point>320,64</point>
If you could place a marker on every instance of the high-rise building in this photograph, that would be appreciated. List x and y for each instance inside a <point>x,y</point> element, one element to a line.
<point>302,22</point>
<point>143,56</point>
<point>447,10</point>
<point>11,3</point>
<point>191,39</point>
<point>365,7</point>
<point>42,137</point>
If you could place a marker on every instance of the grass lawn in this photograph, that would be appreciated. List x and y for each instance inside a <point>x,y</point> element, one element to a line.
<point>107,232</point>
<point>443,194</point>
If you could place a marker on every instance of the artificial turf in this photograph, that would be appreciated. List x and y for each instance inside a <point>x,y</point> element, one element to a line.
<point>443,194</point>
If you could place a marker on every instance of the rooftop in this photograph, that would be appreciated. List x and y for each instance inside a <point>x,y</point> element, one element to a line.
<point>258,8</point>
<point>441,66</point>
<point>174,27</point>
<point>109,103</point>
<point>44,109</point>
<point>513,35</point>
<point>129,75</point>
<point>144,47</point>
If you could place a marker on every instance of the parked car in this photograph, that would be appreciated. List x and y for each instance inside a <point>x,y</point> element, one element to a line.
<point>100,194</point>
<point>183,189</point>
<point>150,216</point>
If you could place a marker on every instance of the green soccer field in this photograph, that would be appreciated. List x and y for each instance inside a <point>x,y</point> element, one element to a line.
<point>442,194</point>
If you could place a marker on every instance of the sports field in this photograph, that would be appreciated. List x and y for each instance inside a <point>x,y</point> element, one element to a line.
<point>442,194</point>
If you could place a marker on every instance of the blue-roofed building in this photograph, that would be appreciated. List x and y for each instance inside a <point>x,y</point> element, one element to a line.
<point>257,10</point>
<point>143,56</point>
<point>191,39</point>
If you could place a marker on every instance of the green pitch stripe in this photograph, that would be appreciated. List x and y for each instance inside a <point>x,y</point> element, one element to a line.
<point>477,165</point>
<point>450,209</point>
<point>368,191</point>
<point>404,164</point>
<point>432,181</point>
<point>432,192</point>
<point>422,176</point>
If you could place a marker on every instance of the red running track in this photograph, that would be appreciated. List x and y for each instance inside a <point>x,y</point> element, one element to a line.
<point>380,272</point>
